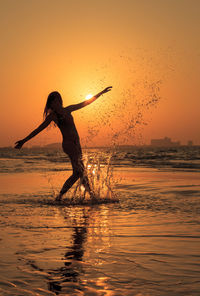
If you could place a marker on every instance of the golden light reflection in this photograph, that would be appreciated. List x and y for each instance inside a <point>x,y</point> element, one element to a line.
<point>102,282</point>
<point>82,188</point>
<point>90,227</point>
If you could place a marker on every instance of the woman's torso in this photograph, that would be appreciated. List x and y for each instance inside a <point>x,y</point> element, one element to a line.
<point>65,123</point>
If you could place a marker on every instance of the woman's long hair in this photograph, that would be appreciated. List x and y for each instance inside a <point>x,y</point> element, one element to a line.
<point>51,97</point>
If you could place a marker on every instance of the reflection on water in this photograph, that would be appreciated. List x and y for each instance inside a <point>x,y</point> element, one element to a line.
<point>72,269</point>
<point>146,244</point>
<point>75,266</point>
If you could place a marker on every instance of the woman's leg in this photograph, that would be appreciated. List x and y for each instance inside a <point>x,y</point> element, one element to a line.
<point>72,179</point>
<point>78,172</point>
<point>85,180</point>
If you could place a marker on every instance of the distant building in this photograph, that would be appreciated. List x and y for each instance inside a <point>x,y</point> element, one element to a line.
<point>190,143</point>
<point>165,142</point>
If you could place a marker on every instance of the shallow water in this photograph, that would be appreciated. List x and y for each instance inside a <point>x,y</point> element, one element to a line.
<point>148,243</point>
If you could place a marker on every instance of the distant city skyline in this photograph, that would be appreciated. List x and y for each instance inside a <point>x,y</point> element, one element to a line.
<point>161,142</point>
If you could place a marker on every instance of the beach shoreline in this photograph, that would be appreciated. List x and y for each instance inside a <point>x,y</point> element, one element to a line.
<point>146,244</point>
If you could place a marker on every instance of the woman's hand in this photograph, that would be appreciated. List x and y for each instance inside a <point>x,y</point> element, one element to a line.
<point>106,90</point>
<point>19,144</point>
<point>88,102</point>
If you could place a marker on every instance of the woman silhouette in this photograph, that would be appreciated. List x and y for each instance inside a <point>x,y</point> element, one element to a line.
<point>61,116</point>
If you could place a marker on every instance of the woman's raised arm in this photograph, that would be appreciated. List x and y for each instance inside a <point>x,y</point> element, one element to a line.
<point>75,107</point>
<point>41,127</point>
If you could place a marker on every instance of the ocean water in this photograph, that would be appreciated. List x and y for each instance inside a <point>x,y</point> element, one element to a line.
<point>143,239</point>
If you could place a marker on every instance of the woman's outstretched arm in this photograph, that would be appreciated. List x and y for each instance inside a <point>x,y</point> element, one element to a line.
<point>72,108</point>
<point>46,122</point>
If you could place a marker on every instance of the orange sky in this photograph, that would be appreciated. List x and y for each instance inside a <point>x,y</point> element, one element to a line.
<point>79,47</point>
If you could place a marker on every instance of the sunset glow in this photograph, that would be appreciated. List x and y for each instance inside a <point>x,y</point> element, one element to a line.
<point>135,46</point>
<point>100,147</point>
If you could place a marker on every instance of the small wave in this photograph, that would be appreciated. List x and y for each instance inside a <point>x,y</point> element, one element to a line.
<point>161,236</point>
<point>41,200</point>
<point>80,201</point>
<point>59,169</point>
<point>183,158</point>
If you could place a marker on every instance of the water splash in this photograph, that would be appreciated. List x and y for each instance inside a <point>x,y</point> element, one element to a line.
<point>120,117</point>
<point>99,171</point>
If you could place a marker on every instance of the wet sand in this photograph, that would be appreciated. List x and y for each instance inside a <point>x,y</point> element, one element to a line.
<point>147,244</point>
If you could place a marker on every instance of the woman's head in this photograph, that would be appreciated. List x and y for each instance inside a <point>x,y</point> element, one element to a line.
<point>54,103</point>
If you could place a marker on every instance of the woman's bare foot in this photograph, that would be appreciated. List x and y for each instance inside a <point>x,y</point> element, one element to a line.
<point>58,197</point>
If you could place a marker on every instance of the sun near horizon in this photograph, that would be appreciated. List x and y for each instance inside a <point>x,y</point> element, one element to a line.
<point>89,96</point>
